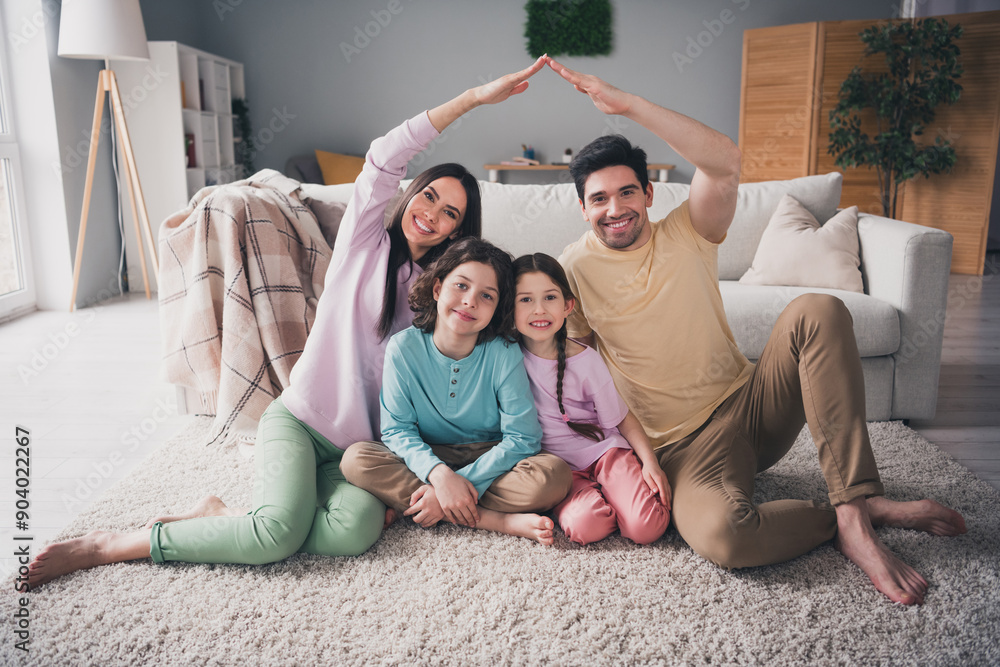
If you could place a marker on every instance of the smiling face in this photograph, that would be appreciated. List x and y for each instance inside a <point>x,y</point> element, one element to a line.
<point>539,307</point>
<point>615,205</point>
<point>466,299</point>
<point>433,215</point>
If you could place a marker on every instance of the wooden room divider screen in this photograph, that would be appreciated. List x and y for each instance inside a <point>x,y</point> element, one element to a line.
<point>791,81</point>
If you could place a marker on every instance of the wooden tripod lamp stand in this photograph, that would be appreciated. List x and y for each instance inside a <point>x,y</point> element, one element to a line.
<point>108,30</point>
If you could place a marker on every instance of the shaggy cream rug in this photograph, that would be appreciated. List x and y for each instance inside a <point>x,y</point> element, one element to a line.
<point>456,596</point>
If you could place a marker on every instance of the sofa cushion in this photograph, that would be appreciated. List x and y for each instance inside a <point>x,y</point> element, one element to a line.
<point>752,311</point>
<point>797,250</point>
<point>757,203</point>
<point>304,168</point>
<point>337,168</point>
<point>328,203</point>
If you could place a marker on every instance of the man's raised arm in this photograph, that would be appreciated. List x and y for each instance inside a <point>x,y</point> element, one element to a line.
<point>716,158</point>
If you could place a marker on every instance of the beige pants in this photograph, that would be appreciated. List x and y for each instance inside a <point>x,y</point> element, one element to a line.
<point>536,484</point>
<point>809,372</point>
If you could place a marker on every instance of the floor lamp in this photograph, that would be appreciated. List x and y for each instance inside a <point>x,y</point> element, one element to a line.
<point>108,30</point>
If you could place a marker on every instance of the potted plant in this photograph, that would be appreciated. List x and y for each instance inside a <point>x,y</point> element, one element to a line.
<point>921,58</point>
<point>244,143</point>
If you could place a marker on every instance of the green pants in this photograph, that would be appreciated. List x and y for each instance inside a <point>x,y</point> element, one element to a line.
<point>301,501</point>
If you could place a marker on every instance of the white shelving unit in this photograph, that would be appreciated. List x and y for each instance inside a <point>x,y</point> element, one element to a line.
<point>180,93</point>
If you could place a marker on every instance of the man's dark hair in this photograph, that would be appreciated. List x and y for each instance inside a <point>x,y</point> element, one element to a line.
<point>608,151</point>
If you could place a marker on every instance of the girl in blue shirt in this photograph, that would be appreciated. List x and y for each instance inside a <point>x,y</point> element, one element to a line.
<point>460,432</point>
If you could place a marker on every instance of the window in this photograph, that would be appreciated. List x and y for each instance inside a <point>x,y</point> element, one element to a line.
<point>17,292</point>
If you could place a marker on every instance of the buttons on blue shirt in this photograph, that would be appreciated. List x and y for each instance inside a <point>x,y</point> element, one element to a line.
<point>454,381</point>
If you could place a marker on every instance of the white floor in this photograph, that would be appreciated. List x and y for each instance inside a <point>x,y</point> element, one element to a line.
<point>87,387</point>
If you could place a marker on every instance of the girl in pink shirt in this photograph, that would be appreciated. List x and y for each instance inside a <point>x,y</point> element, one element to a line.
<point>617,481</point>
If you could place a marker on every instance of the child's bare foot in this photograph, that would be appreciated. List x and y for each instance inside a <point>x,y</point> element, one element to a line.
<point>856,539</point>
<point>207,506</point>
<point>390,517</point>
<point>95,548</point>
<point>531,526</point>
<point>926,515</point>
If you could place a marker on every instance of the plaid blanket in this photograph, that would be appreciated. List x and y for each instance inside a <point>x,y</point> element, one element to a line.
<point>241,270</point>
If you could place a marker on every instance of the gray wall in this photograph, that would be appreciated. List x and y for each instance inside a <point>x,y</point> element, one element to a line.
<point>300,83</point>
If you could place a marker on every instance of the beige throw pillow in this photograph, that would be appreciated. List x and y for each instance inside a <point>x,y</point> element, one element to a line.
<point>796,250</point>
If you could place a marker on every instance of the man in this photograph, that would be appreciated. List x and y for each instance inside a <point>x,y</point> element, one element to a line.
<point>649,301</point>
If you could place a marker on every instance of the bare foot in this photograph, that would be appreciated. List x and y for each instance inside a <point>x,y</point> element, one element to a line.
<point>207,506</point>
<point>926,515</point>
<point>390,517</point>
<point>531,526</point>
<point>95,548</point>
<point>856,539</point>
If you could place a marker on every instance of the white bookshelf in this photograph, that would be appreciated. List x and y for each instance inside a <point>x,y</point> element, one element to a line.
<point>181,91</point>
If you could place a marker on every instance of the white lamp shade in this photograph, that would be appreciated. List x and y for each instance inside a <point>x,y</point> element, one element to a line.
<point>102,29</point>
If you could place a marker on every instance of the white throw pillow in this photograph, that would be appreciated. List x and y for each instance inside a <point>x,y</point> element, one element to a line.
<point>757,202</point>
<point>796,250</point>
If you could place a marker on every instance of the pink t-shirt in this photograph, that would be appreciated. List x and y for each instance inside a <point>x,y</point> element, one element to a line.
<point>589,396</point>
<point>335,383</point>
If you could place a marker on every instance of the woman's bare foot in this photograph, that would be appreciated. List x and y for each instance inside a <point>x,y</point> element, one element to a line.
<point>207,506</point>
<point>95,548</point>
<point>856,539</point>
<point>926,515</point>
<point>532,526</point>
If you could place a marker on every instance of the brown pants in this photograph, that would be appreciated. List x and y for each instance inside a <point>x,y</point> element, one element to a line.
<point>810,371</point>
<point>536,484</point>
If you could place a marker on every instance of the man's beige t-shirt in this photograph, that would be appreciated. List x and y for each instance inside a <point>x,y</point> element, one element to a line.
<point>658,321</point>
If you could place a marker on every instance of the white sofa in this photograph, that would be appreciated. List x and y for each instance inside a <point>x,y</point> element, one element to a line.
<point>898,321</point>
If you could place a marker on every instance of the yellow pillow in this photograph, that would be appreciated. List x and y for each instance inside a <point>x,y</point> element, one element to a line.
<point>339,168</point>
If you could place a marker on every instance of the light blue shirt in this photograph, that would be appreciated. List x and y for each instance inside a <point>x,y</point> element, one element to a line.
<point>430,399</point>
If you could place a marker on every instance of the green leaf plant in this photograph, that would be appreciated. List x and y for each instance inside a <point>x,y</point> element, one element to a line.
<point>568,27</point>
<point>244,148</point>
<point>922,61</point>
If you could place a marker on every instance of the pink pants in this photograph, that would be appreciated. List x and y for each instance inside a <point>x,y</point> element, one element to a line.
<point>611,495</point>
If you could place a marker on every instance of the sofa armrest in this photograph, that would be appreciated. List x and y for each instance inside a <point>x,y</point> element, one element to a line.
<point>908,266</point>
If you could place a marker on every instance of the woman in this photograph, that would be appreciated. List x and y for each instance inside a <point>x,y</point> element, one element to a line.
<point>301,500</point>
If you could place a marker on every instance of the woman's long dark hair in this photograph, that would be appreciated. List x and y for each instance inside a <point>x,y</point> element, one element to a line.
<point>542,263</point>
<point>399,251</point>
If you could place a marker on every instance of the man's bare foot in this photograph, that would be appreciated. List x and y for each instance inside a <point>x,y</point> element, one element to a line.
<point>926,515</point>
<point>207,506</point>
<point>856,539</point>
<point>531,526</point>
<point>95,548</point>
<point>390,517</point>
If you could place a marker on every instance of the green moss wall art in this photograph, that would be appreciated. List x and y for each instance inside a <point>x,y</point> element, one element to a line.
<point>568,27</point>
